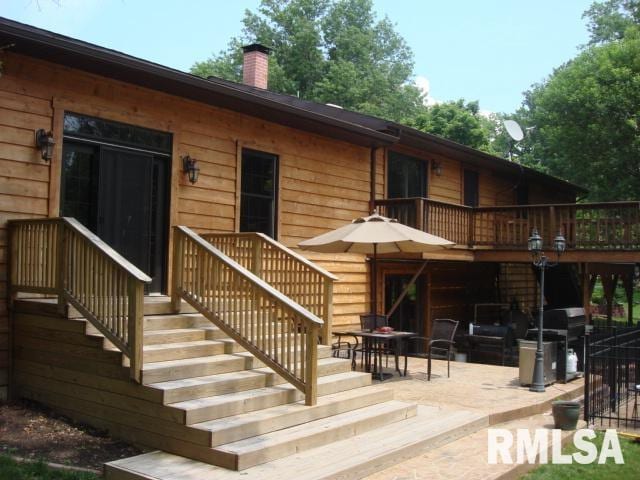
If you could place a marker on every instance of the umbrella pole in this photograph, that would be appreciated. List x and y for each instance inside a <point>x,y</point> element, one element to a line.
<point>374,268</point>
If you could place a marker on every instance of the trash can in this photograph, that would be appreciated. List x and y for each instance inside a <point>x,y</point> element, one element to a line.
<point>527,360</point>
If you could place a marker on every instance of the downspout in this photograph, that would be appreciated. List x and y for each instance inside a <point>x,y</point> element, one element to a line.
<point>372,187</point>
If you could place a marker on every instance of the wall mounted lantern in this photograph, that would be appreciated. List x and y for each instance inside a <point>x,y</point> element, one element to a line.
<point>436,167</point>
<point>534,245</point>
<point>190,167</point>
<point>45,142</point>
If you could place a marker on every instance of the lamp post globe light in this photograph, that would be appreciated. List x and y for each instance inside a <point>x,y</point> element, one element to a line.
<point>534,245</point>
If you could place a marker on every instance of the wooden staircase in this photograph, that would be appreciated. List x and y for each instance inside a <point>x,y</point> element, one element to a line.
<point>202,396</point>
<point>228,372</point>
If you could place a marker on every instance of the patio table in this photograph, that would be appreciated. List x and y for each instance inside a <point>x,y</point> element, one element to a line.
<point>372,343</point>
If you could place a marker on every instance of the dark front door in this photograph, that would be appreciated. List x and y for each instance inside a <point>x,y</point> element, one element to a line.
<point>124,204</point>
<point>120,193</point>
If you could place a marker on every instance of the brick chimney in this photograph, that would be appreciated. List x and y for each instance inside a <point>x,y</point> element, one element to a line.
<point>255,69</point>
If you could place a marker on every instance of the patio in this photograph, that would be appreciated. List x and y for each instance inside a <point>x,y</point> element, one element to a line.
<point>489,389</point>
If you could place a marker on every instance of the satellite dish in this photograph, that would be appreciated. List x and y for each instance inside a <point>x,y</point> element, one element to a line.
<point>513,129</point>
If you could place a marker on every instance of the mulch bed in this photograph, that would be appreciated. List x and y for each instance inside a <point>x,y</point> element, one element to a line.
<point>32,431</point>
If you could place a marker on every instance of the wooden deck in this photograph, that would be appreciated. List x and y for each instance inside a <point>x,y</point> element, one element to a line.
<point>595,232</point>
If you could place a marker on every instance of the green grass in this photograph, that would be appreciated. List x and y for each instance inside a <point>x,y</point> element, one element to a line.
<point>619,297</point>
<point>608,471</point>
<point>12,470</point>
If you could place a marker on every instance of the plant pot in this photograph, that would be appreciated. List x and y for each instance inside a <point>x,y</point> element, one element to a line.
<point>565,414</point>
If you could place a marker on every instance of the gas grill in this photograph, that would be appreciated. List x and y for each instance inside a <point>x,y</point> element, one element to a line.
<point>566,326</point>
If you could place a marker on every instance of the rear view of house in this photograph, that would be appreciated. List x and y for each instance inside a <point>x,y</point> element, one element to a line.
<point>149,232</point>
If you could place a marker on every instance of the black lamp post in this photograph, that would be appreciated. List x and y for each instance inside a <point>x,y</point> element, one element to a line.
<point>542,262</point>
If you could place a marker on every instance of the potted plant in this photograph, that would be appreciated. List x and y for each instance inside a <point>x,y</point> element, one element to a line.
<point>565,414</point>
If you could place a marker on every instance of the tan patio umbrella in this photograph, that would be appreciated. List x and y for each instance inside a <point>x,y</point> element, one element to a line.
<point>373,235</point>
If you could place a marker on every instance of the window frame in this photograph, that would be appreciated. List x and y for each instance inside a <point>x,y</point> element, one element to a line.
<point>241,149</point>
<point>476,172</point>
<point>424,167</point>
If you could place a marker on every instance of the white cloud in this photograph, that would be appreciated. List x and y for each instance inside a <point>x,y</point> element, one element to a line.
<point>425,87</point>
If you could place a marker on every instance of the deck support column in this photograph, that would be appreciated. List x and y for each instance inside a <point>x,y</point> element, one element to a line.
<point>627,281</point>
<point>586,292</point>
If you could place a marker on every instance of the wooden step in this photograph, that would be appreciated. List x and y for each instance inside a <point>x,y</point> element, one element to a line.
<point>160,352</point>
<point>231,346</point>
<point>180,320</point>
<point>324,351</point>
<point>161,305</point>
<point>260,449</point>
<point>210,385</point>
<point>352,458</point>
<point>266,420</point>
<point>326,366</point>
<point>236,403</point>
<point>190,367</point>
<point>174,335</point>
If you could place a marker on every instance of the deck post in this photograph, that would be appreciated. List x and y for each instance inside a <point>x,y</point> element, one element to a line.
<point>135,291</point>
<point>327,308</point>
<point>553,224</point>
<point>311,367</point>
<point>419,209</point>
<point>471,225</point>
<point>627,281</point>
<point>61,266</point>
<point>256,264</point>
<point>586,292</point>
<point>176,272</point>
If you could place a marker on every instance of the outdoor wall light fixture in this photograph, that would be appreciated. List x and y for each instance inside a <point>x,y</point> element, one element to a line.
<point>45,142</point>
<point>534,245</point>
<point>436,167</point>
<point>190,167</point>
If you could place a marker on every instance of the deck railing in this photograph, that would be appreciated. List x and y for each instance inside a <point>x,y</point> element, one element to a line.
<point>275,329</point>
<point>59,256</point>
<point>447,220</point>
<point>285,270</point>
<point>588,226</point>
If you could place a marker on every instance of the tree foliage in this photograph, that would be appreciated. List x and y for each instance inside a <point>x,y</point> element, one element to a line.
<point>330,51</point>
<point>463,123</point>
<point>586,116</point>
<point>609,20</point>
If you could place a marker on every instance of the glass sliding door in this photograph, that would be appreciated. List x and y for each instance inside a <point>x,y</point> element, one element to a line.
<point>119,191</point>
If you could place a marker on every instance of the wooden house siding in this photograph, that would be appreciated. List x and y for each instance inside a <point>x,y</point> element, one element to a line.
<point>323,182</point>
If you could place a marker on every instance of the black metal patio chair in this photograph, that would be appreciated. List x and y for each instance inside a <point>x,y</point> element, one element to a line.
<point>441,340</point>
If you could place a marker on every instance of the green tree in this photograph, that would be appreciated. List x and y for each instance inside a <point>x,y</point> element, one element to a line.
<point>462,123</point>
<point>330,51</point>
<point>586,117</point>
<point>609,20</point>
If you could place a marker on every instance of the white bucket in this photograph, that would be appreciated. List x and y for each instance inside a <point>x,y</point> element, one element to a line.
<point>460,357</point>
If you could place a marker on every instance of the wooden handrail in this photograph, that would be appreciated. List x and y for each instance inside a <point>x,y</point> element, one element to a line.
<point>285,270</point>
<point>275,329</point>
<point>62,257</point>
